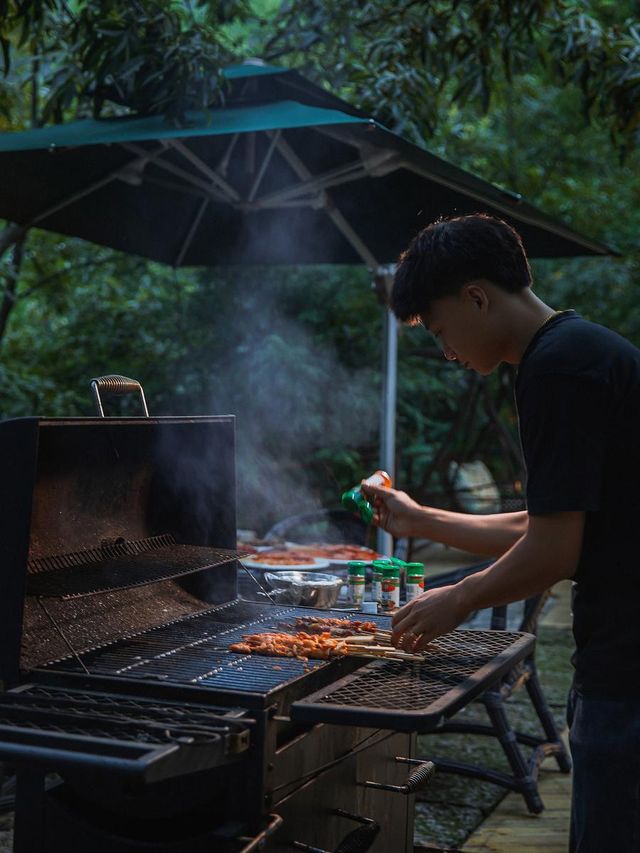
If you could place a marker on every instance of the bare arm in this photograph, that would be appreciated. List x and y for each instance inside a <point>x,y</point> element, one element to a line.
<point>547,553</point>
<point>492,535</point>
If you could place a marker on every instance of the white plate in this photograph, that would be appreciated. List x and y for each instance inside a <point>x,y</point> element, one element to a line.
<point>289,567</point>
<point>346,562</point>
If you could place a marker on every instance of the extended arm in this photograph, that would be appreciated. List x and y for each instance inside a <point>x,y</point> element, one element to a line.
<point>492,535</point>
<point>548,552</point>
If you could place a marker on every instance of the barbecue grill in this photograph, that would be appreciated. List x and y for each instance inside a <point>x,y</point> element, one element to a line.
<point>129,722</point>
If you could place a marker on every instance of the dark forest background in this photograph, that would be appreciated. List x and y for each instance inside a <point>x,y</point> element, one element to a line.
<point>539,96</point>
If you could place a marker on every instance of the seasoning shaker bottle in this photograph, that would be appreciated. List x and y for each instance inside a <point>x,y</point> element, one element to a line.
<point>414,583</point>
<point>356,571</point>
<point>390,588</point>
<point>355,501</point>
<point>378,567</point>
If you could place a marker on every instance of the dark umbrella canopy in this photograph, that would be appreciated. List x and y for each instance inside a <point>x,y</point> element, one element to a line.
<point>283,173</point>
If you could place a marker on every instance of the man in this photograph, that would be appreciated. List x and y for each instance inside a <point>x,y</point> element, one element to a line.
<point>468,281</point>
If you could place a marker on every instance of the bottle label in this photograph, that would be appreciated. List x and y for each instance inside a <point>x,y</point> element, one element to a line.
<point>414,589</point>
<point>390,594</point>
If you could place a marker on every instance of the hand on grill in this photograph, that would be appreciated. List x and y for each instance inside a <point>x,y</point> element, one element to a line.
<point>431,614</point>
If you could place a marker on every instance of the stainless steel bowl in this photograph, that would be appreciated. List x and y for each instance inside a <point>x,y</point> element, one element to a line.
<point>310,589</point>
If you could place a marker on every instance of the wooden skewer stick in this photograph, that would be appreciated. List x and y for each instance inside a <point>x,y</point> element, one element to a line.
<point>382,652</point>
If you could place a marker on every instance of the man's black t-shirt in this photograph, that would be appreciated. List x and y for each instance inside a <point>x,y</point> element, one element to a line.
<point>578,398</point>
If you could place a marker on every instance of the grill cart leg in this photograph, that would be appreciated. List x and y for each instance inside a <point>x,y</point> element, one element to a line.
<point>29,828</point>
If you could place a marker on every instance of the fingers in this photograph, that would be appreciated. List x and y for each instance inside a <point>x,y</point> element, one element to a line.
<point>413,641</point>
<point>376,491</point>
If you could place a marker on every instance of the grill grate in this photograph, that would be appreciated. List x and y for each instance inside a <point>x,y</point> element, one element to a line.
<point>194,650</point>
<point>122,566</point>
<point>107,716</point>
<point>149,739</point>
<point>415,696</point>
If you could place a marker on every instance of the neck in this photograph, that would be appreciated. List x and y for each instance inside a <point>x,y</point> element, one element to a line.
<point>526,314</point>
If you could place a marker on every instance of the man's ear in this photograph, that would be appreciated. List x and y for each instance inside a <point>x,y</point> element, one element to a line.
<point>477,295</point>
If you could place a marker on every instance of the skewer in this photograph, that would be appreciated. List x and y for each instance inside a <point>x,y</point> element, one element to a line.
<point>382,653</point>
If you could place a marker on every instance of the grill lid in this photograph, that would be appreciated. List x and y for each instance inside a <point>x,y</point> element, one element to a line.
<point>102,507</point>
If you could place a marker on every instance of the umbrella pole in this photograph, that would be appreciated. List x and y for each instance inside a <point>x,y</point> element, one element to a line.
<point>389,394</point>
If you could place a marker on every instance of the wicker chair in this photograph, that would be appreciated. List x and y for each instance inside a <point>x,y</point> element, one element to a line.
<point>524,768</point>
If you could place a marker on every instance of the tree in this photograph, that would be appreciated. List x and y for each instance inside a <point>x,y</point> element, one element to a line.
<point>530,95</point>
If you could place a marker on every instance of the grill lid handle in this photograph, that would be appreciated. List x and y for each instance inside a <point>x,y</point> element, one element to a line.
<point>119,385</point>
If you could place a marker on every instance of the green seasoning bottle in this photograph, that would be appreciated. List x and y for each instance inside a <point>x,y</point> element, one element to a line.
<point>390,588</point>
<point>415,580</point>
<point>357,570</point>
<point>356,502</point>
<point>376,591</point>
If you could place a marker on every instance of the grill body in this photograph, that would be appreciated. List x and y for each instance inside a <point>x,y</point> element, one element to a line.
<point>131,725</point>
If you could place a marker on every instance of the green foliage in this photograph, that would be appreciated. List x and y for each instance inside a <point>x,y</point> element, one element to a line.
<point>148,56</point>
<point>527,94</point>
<point>408,62</point>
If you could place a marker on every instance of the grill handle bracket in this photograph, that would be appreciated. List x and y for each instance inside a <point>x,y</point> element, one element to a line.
<point>119,385</point>
<point>417,779</point>
<point>357,841</point>
<point>275,821</point>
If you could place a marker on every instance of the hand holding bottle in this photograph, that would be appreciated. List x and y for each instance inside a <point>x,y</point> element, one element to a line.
<point>393,510</point>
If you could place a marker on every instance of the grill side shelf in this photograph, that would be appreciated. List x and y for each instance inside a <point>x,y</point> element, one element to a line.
<point>415,697</point>
<point>122,566</point>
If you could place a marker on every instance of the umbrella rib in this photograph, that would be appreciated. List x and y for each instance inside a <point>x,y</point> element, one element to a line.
<point>85,191</point>
<point>213,176</point>
<point>192,230</point>
<point>181,173</point>
<point>223,165</point>
<point>267,159</point>
<point>332,211</point>
<point>316,183</point>
<point>71,199</point>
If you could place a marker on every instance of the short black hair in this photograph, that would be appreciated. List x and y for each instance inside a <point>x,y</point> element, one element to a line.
<point>447,254</point>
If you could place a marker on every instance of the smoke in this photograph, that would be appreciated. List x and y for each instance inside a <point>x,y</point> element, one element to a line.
<point>295,402</point>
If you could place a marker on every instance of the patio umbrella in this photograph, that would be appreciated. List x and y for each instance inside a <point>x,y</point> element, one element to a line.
<point>283,173</point>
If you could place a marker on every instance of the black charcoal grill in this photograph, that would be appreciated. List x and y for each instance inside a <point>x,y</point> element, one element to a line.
<point>130,723</point>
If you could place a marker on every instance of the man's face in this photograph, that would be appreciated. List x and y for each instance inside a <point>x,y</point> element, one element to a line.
<point>462,326</point>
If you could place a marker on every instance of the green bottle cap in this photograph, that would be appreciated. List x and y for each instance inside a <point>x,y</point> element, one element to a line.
<point>357,567</point>
<point>351,499</point>
<point>415,569</point>
<point>398,562</point>
<point>356,502</point>
<point>380,564</point>
<point>391,571</point>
